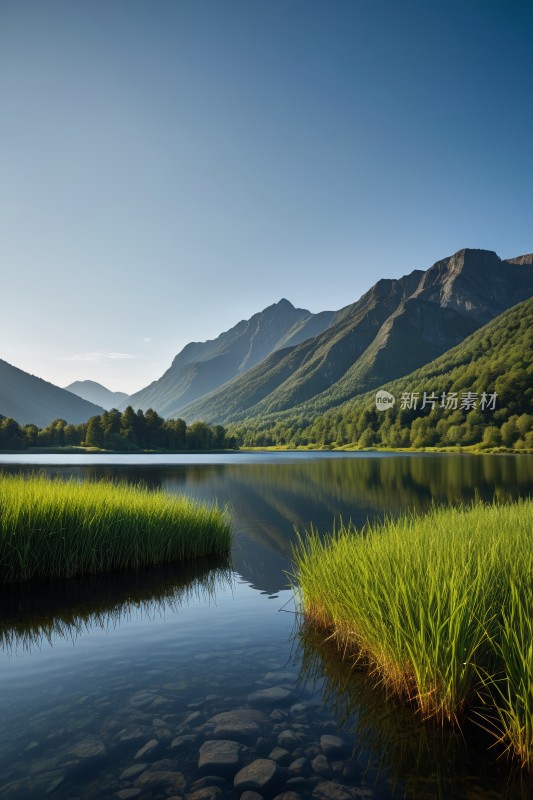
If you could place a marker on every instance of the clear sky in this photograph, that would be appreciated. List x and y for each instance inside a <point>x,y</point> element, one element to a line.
<point>169,168</point>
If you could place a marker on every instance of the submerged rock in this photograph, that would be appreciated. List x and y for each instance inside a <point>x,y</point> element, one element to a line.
<point>131,772</point>
<point>128,794</point>
<point>329,790</point>
<point>220,756</point>
<point>181,742</point>
<point>88,748</point>
<point>161,780</point>
<point>207,793</point>
<point>148,748</point>
<point>333,746</point>
<point>281,756</point>
<point>321,765</point>
<point>277,695</point>
<point>299,767</point>
<point>242,725</point>
<point>288,739</point>
<point>259,776</point>
<point>288,796</point>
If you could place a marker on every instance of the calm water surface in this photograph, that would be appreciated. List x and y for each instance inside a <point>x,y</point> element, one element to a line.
<point>110,686</point>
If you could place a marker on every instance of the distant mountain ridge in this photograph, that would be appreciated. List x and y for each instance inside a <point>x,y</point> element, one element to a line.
<point>29,399</point>
<point>202,367</point>
<point>96,393</point>
<point>395,328</point>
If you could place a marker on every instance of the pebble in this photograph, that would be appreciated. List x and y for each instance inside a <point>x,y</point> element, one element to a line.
<point>131,734</point>
<point>281,756</point>
<point>299,767</point>
<point>150,781</point>
<point>181,742</point>
<point>132,771</point>
<point>89,748</point>
<point>259,776</point>
<point>208,781</point>
<point>328,790</point>
<point>207,793</point>
<point>279,676</point>
<point>242,725</point>
<point>288,739</point>
<point>149,747</point>
<point>333,745</point>
<point>270,697</point>
<point>288,796</point>
<point>220,756</point>
<point>321,765</point>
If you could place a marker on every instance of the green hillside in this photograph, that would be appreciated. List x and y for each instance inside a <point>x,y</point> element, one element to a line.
<point>498,358</point>
<point>398,326</point>
<point>29,399</point>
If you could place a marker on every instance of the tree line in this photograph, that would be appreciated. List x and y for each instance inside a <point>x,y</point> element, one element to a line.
<point>128,430</point>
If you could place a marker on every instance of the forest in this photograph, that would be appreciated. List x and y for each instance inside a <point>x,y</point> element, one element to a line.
<point>495,362</point>
<point>114,430</point>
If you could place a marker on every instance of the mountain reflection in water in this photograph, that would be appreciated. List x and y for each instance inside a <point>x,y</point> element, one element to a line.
<point>274,497</point>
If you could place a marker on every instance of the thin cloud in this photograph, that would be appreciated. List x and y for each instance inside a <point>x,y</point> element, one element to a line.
<point>96,357</point>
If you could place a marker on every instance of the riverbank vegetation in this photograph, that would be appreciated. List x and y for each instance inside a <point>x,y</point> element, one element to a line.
<point>439,608</point>
<point>51,529</point>
<point>127,431</point>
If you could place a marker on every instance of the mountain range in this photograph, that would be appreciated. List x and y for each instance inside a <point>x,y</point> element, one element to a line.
<point>286,360</point>
<point>96,393</point>
<point>394,328</point>
<point>202,367</point>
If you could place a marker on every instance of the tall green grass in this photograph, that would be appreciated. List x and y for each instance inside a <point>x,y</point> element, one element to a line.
<point>50,528</point>
<point>439,607</point>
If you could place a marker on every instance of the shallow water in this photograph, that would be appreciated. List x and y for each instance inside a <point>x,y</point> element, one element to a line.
<point>95,670</point>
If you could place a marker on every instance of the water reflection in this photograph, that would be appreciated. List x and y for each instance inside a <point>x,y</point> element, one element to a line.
<point>34,613</point>
<point>158,653</point>
<point>273,497</point>
<point>421,761</point>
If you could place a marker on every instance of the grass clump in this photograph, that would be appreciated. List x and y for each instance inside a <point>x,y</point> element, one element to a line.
<point>439,606</point>
<point>51,528</point>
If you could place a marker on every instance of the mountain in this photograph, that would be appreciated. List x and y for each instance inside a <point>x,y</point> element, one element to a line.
<point>29,399</point>
<point>396,327</point>
<point>497,358</point>
<point>202,367</point>
<point>96,393</point>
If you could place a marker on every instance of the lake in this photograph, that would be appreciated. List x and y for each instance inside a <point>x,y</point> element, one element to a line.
<point>165,682</point>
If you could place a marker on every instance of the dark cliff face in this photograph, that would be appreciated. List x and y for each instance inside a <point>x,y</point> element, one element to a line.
<point>476,283</point>
<point>395,327</point>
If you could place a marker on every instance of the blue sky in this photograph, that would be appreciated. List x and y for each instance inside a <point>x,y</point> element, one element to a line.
<point>169,168</point>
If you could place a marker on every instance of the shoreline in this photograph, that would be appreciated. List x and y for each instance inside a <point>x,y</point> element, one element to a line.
<point>447,450</point>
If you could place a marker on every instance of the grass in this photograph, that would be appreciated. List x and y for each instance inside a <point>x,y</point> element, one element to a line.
<point>439,607</point>
<point>51,529</point>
